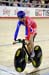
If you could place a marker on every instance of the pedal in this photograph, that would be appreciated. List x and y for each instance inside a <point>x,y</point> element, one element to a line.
<point>29,60</point>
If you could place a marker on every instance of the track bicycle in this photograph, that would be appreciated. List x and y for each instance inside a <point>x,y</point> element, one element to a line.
<point>21,56</point>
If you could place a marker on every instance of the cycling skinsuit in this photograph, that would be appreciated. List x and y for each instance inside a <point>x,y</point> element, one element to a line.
<point>30,28</point>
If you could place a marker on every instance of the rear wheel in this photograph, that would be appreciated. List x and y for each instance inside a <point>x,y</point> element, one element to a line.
<point>19,60</point>
<point>38,56</point>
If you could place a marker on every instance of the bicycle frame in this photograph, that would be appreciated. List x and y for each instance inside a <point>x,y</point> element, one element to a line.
<point>23,45</point>
<point>24,48</point>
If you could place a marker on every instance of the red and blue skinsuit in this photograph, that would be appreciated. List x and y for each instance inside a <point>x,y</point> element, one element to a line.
<point>30,28</point>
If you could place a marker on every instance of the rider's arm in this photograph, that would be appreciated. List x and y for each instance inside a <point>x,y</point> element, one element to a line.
<point>17,30</point>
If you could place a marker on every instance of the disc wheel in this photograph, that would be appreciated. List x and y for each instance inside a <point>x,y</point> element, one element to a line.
<point>38,56</point>
<point>19,60</point>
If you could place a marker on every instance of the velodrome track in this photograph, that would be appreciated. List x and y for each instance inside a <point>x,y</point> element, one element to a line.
<point>7,50</point>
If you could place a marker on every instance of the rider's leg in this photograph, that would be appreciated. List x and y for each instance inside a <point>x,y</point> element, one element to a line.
<point>31,45</point>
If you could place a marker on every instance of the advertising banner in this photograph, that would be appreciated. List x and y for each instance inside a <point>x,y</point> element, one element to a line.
<point>6,11</point>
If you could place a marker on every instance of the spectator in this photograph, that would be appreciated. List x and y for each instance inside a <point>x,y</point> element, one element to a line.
<point>46,3</point>
<point>38,3</point>
<point>17,3</point>
<point>28,4</point>
<point>34,3</point>
<point>42,3</point>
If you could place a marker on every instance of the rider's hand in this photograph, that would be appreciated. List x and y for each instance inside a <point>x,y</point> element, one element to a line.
<point>14,42</point>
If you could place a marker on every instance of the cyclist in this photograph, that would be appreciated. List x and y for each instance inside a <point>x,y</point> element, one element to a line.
<point>30,31</point>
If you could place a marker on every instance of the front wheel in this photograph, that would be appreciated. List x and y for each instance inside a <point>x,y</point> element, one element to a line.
<point>19,60</point>
<point>38,56</point>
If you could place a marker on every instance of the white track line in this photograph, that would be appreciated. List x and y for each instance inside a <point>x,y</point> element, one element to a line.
<point>7,71</point>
